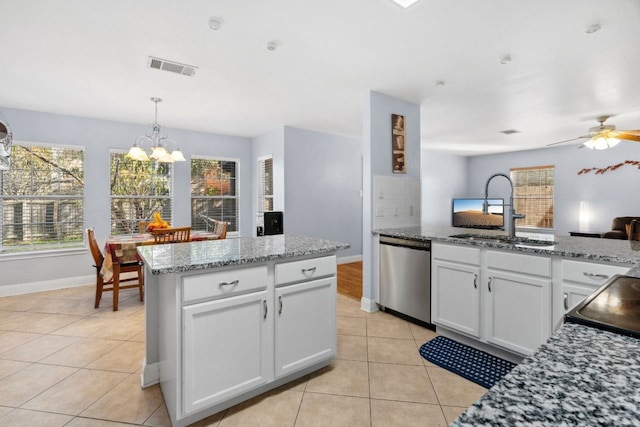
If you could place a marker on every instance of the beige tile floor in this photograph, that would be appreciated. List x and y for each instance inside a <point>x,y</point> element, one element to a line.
<point>64,363</point>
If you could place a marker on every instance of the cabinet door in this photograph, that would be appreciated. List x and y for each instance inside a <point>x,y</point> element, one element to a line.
<point>518,311</point>
<point>456,296</point>
<point>573,295</point>
<point>305,327</point>
<point>228,347</point>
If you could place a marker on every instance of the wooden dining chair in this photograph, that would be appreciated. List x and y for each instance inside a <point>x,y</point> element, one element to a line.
<point>143,226</point>
<point>220,229</point>
<point>633,232</point>
<point>120,266</point>
<point>171,235</point>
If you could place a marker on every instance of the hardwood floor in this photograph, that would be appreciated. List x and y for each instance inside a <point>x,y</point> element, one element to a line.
<point>350,279</point>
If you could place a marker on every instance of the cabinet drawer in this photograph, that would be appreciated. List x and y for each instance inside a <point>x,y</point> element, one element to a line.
<point>305,270</point>
<point>223,283</point>
<point>589,273</point>
<point>456,253</point>
<point>517,263</point>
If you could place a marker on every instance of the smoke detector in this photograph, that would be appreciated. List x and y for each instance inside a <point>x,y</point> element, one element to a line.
<point>172,66</point>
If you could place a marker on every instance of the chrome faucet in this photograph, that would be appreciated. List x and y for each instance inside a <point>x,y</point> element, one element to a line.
<point>512,210</point>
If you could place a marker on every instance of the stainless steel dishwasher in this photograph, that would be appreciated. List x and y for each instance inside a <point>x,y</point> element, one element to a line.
<point>405,278</point>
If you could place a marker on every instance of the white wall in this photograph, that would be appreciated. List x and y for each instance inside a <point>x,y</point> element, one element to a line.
<point>323,175</point>
<point>608,195</point>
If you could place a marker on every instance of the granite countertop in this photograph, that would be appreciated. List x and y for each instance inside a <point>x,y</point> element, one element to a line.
<point>583,248</point>
<point>582,376</point>
<point>179,257</point>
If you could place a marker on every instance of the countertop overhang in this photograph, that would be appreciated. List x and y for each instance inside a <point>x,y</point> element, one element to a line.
<point>180,257</point>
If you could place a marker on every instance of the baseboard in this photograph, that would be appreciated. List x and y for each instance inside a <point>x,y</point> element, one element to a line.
<point>368,305</point>
<point>46,285</point>
<point>348,259</point>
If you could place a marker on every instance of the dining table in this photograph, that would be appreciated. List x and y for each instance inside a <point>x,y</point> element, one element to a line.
<point>121,248</point>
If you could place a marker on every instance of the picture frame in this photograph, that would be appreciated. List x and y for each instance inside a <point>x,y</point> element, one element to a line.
<point>398,142</point>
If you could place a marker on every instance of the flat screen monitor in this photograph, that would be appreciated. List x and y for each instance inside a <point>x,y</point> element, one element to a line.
<point>468,213</point>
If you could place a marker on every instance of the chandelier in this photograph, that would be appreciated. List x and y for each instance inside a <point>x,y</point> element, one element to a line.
<point>158,144</point>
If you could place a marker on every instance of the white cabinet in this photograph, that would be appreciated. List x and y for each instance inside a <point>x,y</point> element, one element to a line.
<point>230,334</point>
<point>579,279</point>
<point>496,297</point>
<point>305,324</point>
<point>455,296</point>
<point>228,349</point>
<point>518,300</point>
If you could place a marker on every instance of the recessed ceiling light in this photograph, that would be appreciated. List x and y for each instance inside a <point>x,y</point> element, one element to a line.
<point>509,131</point>
<point>272,46</point>
<point>440,84</point>
<point>505,59</point>
<point>592,29</point>
<point>405,3</point>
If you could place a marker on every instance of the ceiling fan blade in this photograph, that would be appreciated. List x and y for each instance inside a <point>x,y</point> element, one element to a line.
<point>568,140</point>
<point>631,135</point>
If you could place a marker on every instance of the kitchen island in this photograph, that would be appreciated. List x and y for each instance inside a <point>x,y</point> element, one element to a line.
<point>230,319</point>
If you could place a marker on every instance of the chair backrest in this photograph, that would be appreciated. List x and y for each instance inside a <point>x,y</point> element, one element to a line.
<point>98,258</point>
<point>171,235</point>
<point>220,229</point>
<point>143,226</point>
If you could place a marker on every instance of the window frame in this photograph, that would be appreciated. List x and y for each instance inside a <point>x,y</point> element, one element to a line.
<point>167,210</point>
<point>236,197</point>
<point>43,249</point>
<point>262,185</point>
<point>525,211</point>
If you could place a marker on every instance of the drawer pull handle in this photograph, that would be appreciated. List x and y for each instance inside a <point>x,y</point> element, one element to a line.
<point>475,281</point>
<point>264,304</point>
<point>489,284</point>
<point>595,276</point>
<point>566,301</point>
<point>308,270</point>
<point>280,301</point>
<point>235,282</point>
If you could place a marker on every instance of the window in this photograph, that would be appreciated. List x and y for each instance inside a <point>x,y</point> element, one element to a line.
<point>138,190</point>
<point>533,195</point>
<point>214,193</point>
<point>265,185</point>
<point>43,199</point>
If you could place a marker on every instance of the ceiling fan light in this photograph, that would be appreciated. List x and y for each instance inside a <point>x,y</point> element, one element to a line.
<point>600,143</point>
<point>612,142</point>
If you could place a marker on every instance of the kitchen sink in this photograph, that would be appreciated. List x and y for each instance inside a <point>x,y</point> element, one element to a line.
<point>516,241</point>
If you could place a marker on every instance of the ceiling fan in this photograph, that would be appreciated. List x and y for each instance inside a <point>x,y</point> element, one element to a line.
<point>604,136</point>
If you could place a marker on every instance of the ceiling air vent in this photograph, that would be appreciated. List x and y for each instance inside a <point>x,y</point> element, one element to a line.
<point>174,67</point>
<point>509,131</point>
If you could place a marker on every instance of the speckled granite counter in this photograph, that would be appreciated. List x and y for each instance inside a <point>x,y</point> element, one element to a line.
<point>176,258</point>
<point>581,377</point>
<point>581,248</point>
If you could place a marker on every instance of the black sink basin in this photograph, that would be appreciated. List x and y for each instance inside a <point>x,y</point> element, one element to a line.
<point>515,241</point>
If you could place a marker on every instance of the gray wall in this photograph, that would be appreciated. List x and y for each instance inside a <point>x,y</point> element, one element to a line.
<point>323,176</point>
<point>98,137</point>
<point>376,149</point>
<point>270,143</point>
<point>608,195</point>
<point>443,176</point>
<point>315,164</point>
